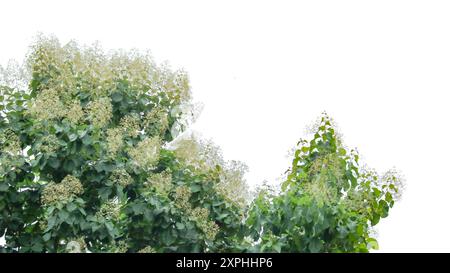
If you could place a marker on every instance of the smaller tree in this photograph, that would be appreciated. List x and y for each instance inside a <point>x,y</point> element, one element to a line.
<point>328,202</point>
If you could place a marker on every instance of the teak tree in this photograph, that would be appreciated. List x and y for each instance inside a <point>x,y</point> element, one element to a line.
<point>328,202</point>
<point>93,159</point>
<point>86,164</point>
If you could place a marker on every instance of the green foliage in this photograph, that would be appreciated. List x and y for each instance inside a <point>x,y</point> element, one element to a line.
<point>85,163</point>
<point>328,203</point>
<point>92,160</point>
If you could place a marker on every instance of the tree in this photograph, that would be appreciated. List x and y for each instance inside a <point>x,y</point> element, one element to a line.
<point>91,159</point>
<point>328,202</point>
<point>95,156</point>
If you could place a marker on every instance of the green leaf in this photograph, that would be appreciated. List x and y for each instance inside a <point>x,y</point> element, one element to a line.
<point>117,97</point>
<point>4,187</point>
<point>375,219</point>
<point>71,207</point>
<point>58,128</point>
<point>82,211</point>
<point>222,216</point>
<point>51,223</point>
<point>376,192</point>
<point>315,245</point>
<point>180,225</point>
<point>63,215</point>
<point>372,244</point>
<point>360,230</point>
<point>285,185</point>
<point>86,140</point>
<point>109,226</point>
<point>73,137</point>
<point>69,165</point>
<point>47,236</point>
<point>104,192</point>
<point>277,248</point>
<point>81,133</point>
<point>195,188</point>
<point>385,208</point>
<point>84,225</point>
<point>388,197</point>
<point>37,247</point>
<point>54,162</point>
<point>138,208</point>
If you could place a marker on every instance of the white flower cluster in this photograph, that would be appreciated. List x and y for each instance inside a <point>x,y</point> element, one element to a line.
<point>357,201</point>
<point>232,184</point>
<point>15,75</point>
<point>327,163</point>
<point>205,155</point>
<point>320,190</point>
<point>119,247</point>
<point>110,210</point>
<point>199,215</point>
<point>174,85</point>
<point>187,150</point>
<point>69,187</point>
<point>114,141</point>
<point>209,228</point>
<point>76,246</point>
<point>47,106</point>
<point>48,144</point>
<point>324,123</point>
<point>181,83</point>
<point>65,66</point>
<point>146,153</point>
<point>161,182</point>
<point>181,198</point>
<point>147,249</point>
<point>49,59</point>
<point>393,182</point>
<point>130,125</point>
<point>184,114</point>
<point>99,112</point>
<point>121,177</point>
<point>156,122</point>
<point>74,112</point>
<point>194,151</point>
<point>10,142</point>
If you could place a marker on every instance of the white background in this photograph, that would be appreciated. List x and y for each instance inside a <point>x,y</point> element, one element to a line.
<point>265,70</point>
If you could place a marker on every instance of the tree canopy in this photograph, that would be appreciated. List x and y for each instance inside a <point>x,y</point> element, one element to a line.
<point>95,157</point>
<point>327,203</point>
<point>90,159</point>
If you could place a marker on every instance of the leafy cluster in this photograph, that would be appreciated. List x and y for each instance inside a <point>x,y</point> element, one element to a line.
<point>85,163</point>
<point>94,157</point>
<point>328,202</point>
